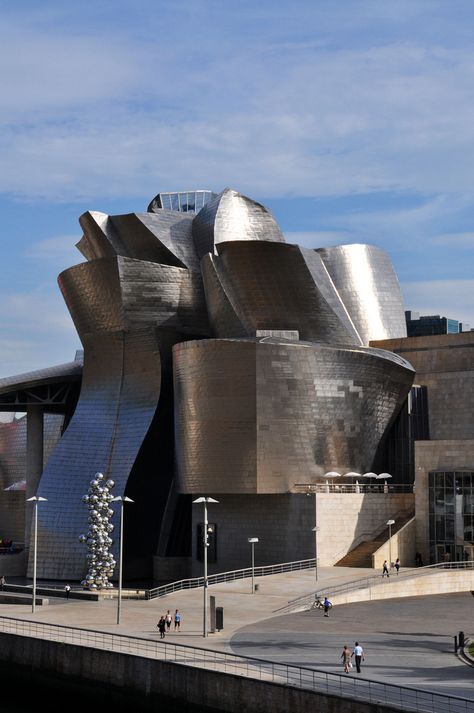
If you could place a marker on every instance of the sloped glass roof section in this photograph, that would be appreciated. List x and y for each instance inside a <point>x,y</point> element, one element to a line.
<point>182,201</point>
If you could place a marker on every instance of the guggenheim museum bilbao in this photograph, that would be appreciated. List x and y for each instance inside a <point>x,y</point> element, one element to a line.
<point>219,360</point>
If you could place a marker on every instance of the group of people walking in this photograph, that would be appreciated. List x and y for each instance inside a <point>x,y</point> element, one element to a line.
<point>385,568</point>
<point>164,624</point>
<point>357,653</point>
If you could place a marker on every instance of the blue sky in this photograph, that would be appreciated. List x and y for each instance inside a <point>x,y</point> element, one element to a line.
<point>353,121</point>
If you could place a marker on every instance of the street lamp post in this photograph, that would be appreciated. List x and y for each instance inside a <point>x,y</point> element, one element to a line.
<point>35,500</point>
<point>390,523</point>
<point>252,541</point>
<point>315,529</point>
<point>122,501</point>
<point>205,542</point>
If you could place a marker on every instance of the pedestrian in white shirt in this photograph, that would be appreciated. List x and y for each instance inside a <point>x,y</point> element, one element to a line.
<point>358,653</point>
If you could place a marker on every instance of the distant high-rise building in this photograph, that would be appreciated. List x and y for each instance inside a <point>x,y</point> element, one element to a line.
<point>423,326</point>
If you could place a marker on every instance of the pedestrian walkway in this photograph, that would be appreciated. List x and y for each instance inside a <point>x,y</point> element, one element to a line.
<point>420,655</point>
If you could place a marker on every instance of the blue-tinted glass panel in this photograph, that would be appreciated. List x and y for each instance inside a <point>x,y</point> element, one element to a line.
<point>174,201</point>
<point>199,201</point>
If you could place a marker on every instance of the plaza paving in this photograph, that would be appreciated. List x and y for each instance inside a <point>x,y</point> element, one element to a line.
<point>407,641</point>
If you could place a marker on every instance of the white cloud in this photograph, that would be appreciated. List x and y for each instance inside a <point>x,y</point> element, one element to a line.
<point>96,115</point>
<point>60,249</point>
<point>448,298</point>
<point>35,331</point>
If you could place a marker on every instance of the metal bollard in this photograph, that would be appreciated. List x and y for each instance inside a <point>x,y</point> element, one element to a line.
<point>455,644</point>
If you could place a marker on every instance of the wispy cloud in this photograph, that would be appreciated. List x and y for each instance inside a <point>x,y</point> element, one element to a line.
<point>448,298</point>
<point>455,240</point>
<point>104,114</point>
<point>35,331</point>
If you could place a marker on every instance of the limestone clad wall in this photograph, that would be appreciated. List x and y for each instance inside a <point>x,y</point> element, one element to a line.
<point>283,524</point>
<point>429,456</point>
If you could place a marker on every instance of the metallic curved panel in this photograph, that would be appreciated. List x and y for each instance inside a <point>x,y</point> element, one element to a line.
<point>232,216</point>
<point>128,314</point>
<point>164,237</point>
<point>367,284</point>
<point>274,286</point>
<point>121,293</point>
<point>99,239</point>
<point>119,396</point>
<point>258,416</point>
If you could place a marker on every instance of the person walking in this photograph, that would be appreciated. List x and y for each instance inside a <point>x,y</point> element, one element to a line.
<point>397,564</point>
<point>177,620</point>
<point>162,627</point>
<point>168,619</point>
<point>358,654</point>
<point>327,605</point>
<point>67,589</point>
<point>385,570</point>
<point>2,581</point>
<point>346,658</point>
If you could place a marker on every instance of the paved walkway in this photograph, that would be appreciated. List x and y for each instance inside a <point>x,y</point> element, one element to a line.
<point>407,641</point>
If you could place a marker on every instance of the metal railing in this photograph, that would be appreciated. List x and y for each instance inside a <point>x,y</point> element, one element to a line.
<point>341,488</point>
<point>308,601</point>
<point>231,576</point>
<point>333,684</point>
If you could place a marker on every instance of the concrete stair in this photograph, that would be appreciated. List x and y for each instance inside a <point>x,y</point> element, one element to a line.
<point>361,556</point>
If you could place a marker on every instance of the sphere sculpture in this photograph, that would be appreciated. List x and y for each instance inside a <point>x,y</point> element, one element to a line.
<point>100,561</point>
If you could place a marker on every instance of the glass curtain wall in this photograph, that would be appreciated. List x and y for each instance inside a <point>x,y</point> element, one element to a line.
<point>451,515</point>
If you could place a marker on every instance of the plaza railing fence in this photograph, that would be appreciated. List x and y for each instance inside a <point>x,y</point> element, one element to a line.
<point>309,601</point>
<point>317,681</point>
<point>231,576</point>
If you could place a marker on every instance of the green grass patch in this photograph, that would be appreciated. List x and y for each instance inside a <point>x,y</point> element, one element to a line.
<point>471,648</point>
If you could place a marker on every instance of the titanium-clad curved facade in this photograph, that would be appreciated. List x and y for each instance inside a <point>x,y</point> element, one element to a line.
<point>217,359</point>
<point>258,416</point>
<point>232,216</point>
<point>274,286</point>
<point>367,284</point>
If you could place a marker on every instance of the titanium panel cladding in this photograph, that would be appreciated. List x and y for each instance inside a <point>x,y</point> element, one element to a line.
<point>270,285</point>
<point>260,416</point>
<point>232,216</point>
<point>366,281</point>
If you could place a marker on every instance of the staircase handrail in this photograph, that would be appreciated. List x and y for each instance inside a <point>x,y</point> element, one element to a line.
<point>222,577</point>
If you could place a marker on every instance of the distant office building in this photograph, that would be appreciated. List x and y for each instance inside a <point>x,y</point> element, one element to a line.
<point>418,326</point>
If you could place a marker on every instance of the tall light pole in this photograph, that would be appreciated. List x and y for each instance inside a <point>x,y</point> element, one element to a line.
<point>35,500</point>
<point>252,541</point>
<point>315,529</point>
<point>122,501</point>
<point>390,523</point>
<point>205,542</point>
